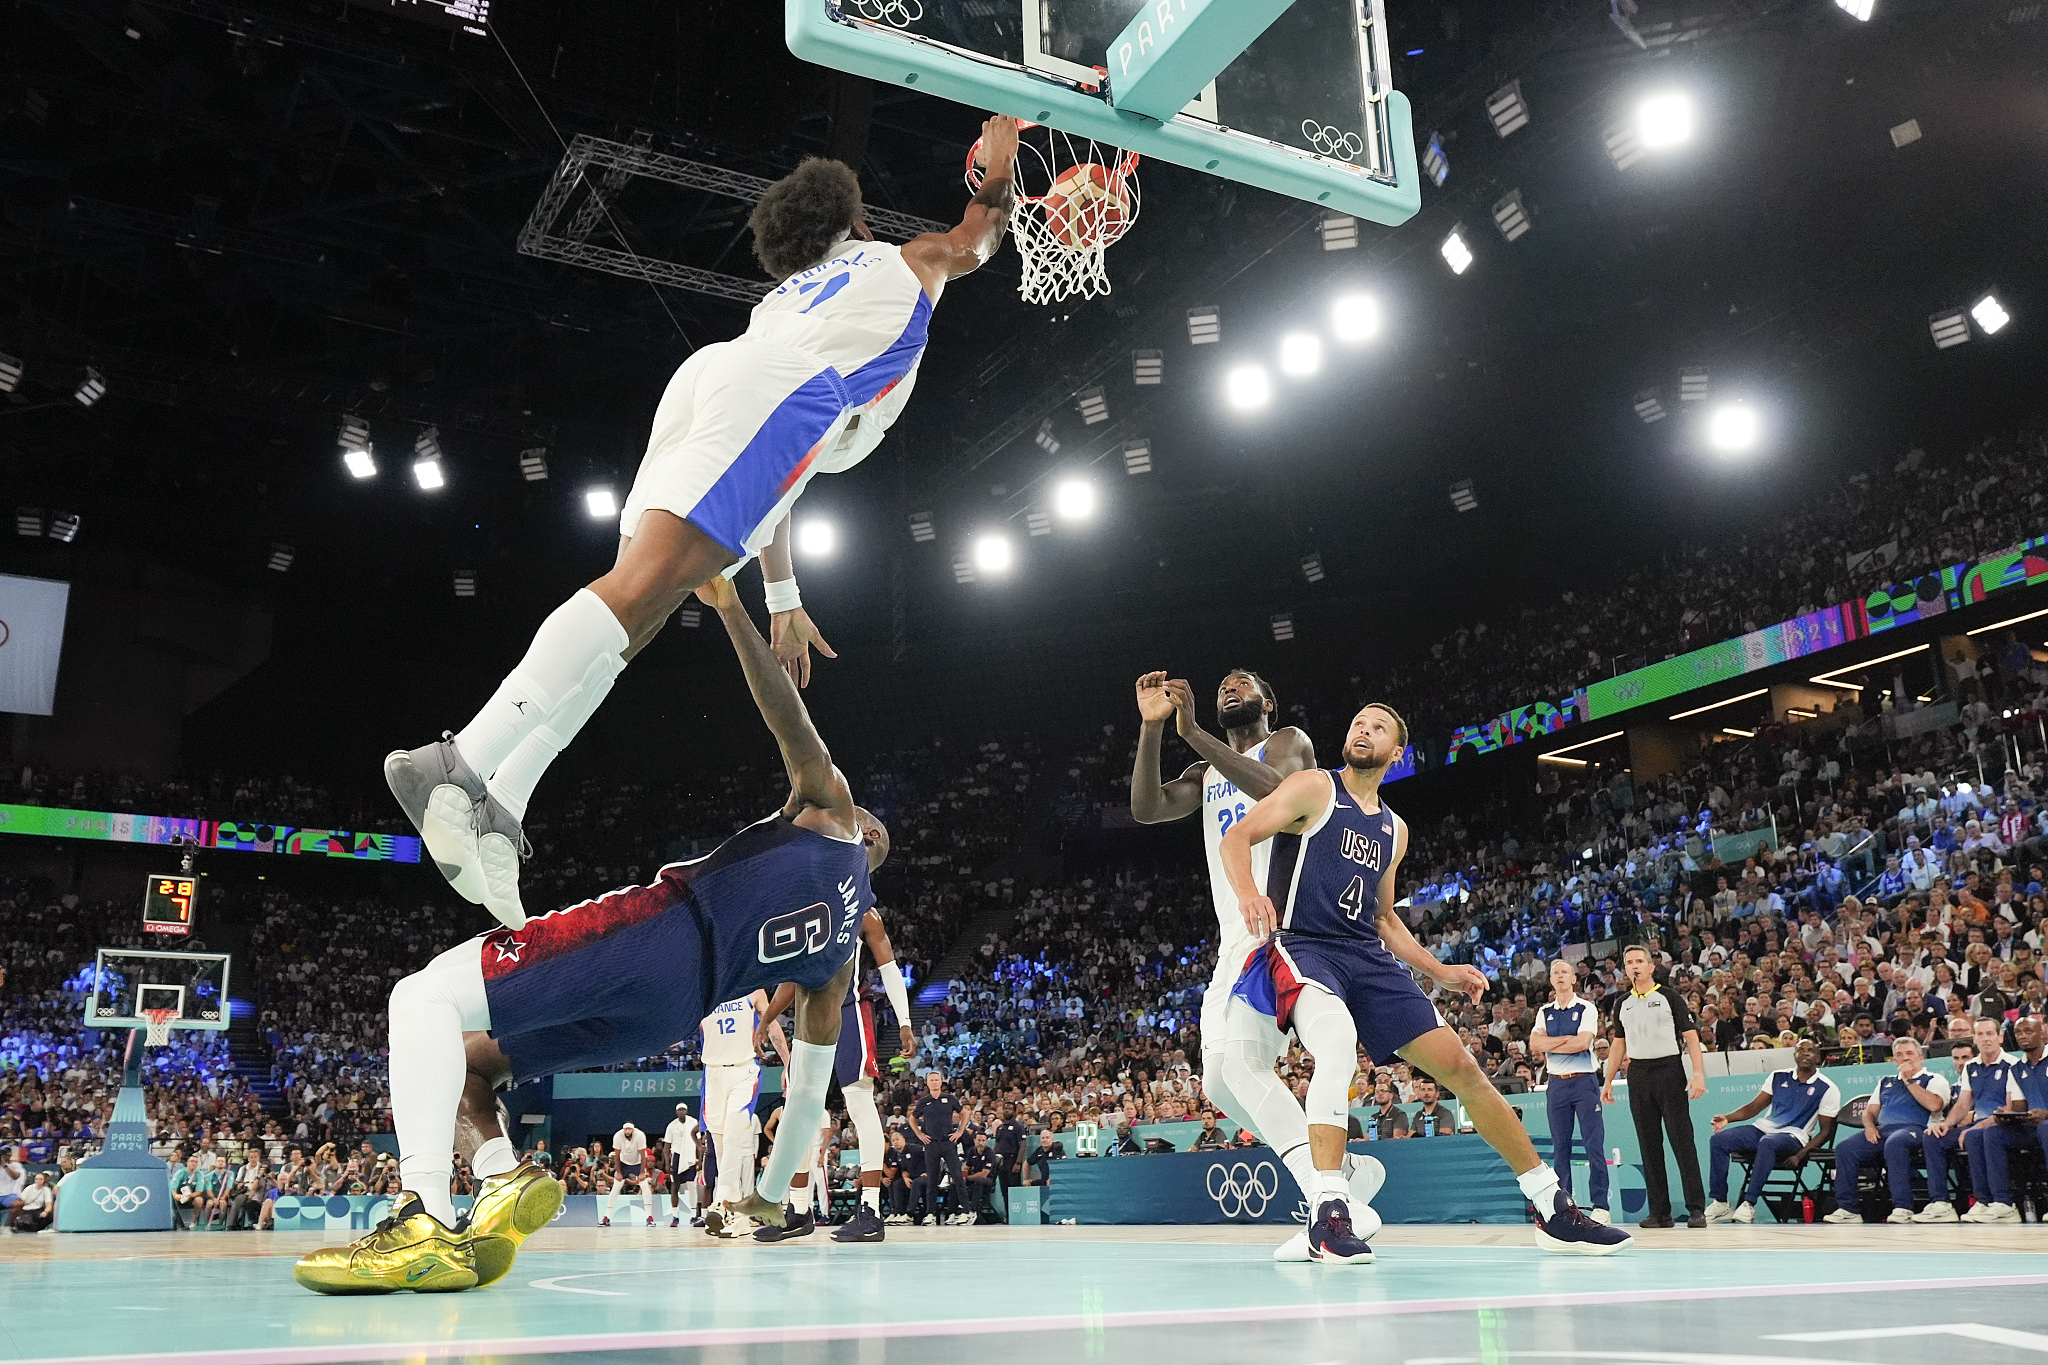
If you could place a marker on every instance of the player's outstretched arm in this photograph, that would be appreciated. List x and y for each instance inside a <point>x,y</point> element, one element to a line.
<point>812,778</point>
<point>1154,802</point>
<point>936,257</point>
<point>1287,751</point>
<point>790,632</point>
<point>1297,799</point>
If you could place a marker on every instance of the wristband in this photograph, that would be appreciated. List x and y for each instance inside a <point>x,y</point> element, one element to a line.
<point>782,594</point>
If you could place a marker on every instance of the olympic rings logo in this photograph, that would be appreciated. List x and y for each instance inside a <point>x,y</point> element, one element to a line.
<point>121,1198</point>
<point>899,13</point>
<point>1332,141</point>
<point>1241,1191</point>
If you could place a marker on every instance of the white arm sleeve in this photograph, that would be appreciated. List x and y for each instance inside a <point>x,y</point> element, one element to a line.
<point>892,986</point>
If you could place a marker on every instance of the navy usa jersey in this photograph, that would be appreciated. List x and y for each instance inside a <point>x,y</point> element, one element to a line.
<point>779,903</point>
<point>1325,881</point>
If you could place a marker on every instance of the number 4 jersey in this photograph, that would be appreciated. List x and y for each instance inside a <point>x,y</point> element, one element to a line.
<point>1223,805</point>
<point>635,970</point>
<point>1325,881</point>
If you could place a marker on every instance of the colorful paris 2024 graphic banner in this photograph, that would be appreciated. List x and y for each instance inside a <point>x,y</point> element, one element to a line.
<point>1895,604</point>
<point>243,836</point>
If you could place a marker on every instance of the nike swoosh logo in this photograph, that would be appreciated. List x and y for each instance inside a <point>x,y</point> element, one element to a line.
<point>413,1276</point>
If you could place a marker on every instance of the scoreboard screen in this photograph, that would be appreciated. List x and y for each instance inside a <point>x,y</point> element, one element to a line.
<point>169,903</point>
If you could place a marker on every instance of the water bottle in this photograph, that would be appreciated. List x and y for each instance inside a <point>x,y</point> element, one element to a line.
<point>1429,1125</point>
<point>2028,1213</point>
<point>1372,1128</point>
<point>1806,1209</point>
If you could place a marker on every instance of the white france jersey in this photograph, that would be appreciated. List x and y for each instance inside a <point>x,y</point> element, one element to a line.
<point>729,1033</point>
<point>1223,805</point>
<point>863,312</point>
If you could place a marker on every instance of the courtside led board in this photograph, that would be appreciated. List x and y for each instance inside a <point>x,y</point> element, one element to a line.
<point>169,902</point>
<point>1307,108</point>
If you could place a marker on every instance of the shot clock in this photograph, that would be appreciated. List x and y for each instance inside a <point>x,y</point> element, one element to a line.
<point>169,902</point>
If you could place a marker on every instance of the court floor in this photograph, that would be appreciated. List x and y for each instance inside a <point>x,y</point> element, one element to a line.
<point>1799,1295</point>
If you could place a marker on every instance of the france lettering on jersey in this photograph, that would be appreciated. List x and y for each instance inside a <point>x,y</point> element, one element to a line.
<point>1896,1106</point>
<point>1795,1104</point>
<point>1223,805</point>
<point>864,313</point>
<point>1326,879</point>
<point>627,974</point>
<point>1568,1021</point>
<point>729,1033</point>
<point>1991,1085</point>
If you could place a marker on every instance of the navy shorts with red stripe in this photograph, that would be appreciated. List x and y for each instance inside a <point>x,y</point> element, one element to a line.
<point>1387,1007</point>
<point>609,980</point>
<point>855,1060</point>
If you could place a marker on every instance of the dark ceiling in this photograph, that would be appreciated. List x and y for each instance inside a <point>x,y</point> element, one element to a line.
<point>254,218</point>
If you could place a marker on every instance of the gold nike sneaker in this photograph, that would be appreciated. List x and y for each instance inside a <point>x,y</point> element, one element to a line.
<point>511,1209</point>
<point>411,1249</point>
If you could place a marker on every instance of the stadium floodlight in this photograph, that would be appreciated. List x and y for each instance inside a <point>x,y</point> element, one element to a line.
<point>280,558</point>
<point>427,474</point>
<point>921,527</point>
<point>1074,499</point>
<point>1248,386</point>
<point>1949,327</point>
<point>1094,407</point>
<point>600,503</point>
<point>1732,427</point>
<point>1339,231</point>
<point>1283,626</point>
<point>1038,521</point>
<point>993,553</point>
<point>465,582</point>
<point>64,526</point>
<point>1434,163</point>
<point>1510,216</point>
<point>1859,10</point>
<point>690,615</point>
<point>361,464</point>
<point>10,372</point>
<point>427,445</point>
<point>28,521</point>
<point>1146,368</point>
<point>1312,566</point>
<point>1907,133</point>
<point>1664,120</point>
<point>963,570</point>
<point>816,538</point>
<point>1462,496</point>
<point>533,464</point>
<point>354,440</point>
<point>1989,315</point>
<point>1355,317</point>
<point>1138,456</point>
<point>1508,110</point>
<point>1692,384</point>
<point>1649,406</point>
<point>1301,353</point>
<point>1455,253</point>
<point>92,388</point>
<point>1205,325</point>
<point>1046,439</point>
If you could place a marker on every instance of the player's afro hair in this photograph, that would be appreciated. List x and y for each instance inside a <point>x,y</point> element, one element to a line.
<point>803,215</point>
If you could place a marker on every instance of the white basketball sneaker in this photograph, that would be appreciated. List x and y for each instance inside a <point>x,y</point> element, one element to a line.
<point>473,839</point>
<point>1940,1211</point>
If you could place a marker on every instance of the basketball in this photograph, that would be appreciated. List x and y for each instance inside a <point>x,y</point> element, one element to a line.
<point>1085,208</point>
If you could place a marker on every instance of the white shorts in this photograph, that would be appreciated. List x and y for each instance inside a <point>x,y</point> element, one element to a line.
<point>729,1095</point>
<point>735,439</point>
<point>1226,1019</point>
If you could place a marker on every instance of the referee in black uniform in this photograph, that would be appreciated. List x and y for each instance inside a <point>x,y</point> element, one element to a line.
<point>935,1118</point>
<point>1653,1023</point>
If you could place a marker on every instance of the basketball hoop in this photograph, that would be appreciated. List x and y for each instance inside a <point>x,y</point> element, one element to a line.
<point>1075,200</point>
<point>159,1031</point>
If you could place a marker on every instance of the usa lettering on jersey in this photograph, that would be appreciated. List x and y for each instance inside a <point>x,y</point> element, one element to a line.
<point>1360,849</point>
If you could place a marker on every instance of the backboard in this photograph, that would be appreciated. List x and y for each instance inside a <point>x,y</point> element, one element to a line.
<point>1306,108</point>
<point>127,981</point>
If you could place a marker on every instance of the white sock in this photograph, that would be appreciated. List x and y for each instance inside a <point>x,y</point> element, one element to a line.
<point>577,649</point>
<point>1302,1167</point>
<point>428,1013</point>
<point>1539,1185</point>
<point>611,1198</point>
<point>871,1198</point>
<point>520,773</point>
<point>1330,1185</point>
<point>497,1156</point>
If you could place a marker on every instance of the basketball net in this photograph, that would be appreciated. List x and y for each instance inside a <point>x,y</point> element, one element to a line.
<point>159,1022</point>
<point>1075,200</point>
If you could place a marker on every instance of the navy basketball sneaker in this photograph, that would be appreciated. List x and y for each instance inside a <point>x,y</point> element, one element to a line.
<point>794,1224</point>
<point>1331,1239</point>
<point>865,1226</point>
<point>1569,1232</point>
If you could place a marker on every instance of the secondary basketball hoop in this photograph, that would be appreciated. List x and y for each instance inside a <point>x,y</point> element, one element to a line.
<point>1075,200</point>
<point>158,1024</point>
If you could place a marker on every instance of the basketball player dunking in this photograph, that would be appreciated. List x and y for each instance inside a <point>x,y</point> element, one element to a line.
<point>1334,972</point>
<point>611,980</point>
<point>826,364</point>
<point>854,1072</point>
<point>732,1083</point>
<point>1239,1045</point>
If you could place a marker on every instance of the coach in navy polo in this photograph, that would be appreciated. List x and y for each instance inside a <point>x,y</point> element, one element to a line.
<point>1987,1087</point>
<point>1895,1119</point>
<point>1803,1104</point>
<point>2021,1122</point>
<point>1562,1034</point>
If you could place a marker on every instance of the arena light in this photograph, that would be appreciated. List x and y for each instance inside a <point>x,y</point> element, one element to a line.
<point>1248,386</point>
<point>1094,407</point>
<point>10,372</point>
<point>1312,566</point>
<point>2008,621</point>
<point>1949,327</point>
<point>993,553</point>
<point>1717,705</point>
<point>465,582</point>
<point>922,528</point>
<point>1859,10</point>
<point>427,474</point>
<point>1138,456</point>
<point>1301,353</point>
<point>1589,743</point>
<point>1462,496</point>
<point>816,538</point>
<point>1650,407</point>
<point>1567,762</point>
<point>1074,499</point>
<point>1511,216</point>
<point>1038,521</point>
<point>280,558</point>
<point>1693,382</point>
<point>1989,315</point>
<point>1664,120</point>
<point>1434,163</point>
<point>64,526</point>
<point>1733,427</point>
<point>1205,325</point>
<point>600,503</point>
<point>533,464</point>
<point>1455,253</point>
<point>29,521</point>
<point>92,388</point>
<point>1282,624</point>
<point>1147,368</point>
<point>1355,318</point>
<point>1339,231</point>
<point>1507,108</point>
<point>1047,439</point>
<point>1739,734</point>
<point>1829,677</point>
<point>360,463</point>
<point>354,440</point>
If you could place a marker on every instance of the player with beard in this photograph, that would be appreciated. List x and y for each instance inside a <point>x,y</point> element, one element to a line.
<point>1239,1045</point>
<point>1331,968</point>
